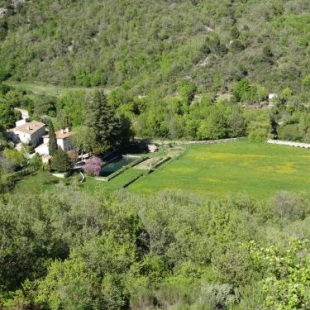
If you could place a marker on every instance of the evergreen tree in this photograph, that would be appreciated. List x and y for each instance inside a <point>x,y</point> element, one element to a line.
<point>107,130</point>
<point>52,146</point>
<point>61,161</point>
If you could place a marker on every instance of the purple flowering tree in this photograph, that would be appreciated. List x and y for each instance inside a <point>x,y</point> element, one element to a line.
<point>92,166</point>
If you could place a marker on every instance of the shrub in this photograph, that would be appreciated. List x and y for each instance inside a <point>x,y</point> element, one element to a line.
<point>61,161</point>
<point>289,132</point>
<point>35,162</point>
<point>288,206</point>
<point>219,296</point>
<point>11,160</point>
<point>258,131</point>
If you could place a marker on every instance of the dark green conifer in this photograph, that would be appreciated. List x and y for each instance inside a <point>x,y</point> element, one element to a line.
<point>61,161</point>
<point>52,146</point>
<point>107,130</point>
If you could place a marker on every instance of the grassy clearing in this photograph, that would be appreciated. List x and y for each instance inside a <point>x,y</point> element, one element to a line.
<point>36,183</point>
<point>42,181</point>
<point>217,170</point>
<point>118,182</point>
<point>259,170</point>
<point>43,89</point>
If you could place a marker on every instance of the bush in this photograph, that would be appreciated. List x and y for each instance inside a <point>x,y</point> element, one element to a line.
<point>35,162</point>
<point>61,161</point>
<point>11,160</point>
<point>292,207</point>
<point>258,131</point>
<point>289,132</point>
<point>219,296</point>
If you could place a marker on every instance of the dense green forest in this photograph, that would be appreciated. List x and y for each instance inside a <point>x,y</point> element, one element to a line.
<point>171,251</point>
<point>182,69</point>
<point>167,63</point>
<point>156,45</point>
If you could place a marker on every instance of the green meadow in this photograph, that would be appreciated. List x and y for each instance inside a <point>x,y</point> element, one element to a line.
<point>217,170</point>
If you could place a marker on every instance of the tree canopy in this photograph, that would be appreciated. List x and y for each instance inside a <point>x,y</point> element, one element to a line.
<point>106,130</point>
<point>209,44</point>
<point>112,251</point>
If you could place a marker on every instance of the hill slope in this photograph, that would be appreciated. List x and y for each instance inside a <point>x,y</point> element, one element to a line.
<point>156,44</point>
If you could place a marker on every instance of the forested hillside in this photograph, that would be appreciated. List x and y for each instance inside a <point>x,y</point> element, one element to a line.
<point>176,69</point>
<point>156,44</point>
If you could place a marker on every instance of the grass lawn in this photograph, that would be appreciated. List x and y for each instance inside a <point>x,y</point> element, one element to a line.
<point>41,89</point>
<point>42,181</point>
<point>36,183</point>
<point>118,182</point>
<point>257,169</point>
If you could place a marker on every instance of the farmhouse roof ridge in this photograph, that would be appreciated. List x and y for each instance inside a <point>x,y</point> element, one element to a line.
<point>30,127</point>
<point>61,134</point>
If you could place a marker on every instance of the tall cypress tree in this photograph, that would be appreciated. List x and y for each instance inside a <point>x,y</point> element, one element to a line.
<point>52,145</point>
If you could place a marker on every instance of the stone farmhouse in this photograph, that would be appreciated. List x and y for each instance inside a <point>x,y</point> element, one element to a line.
<point>34,133</point>
<point>27,132</point>
<point>63,141</point>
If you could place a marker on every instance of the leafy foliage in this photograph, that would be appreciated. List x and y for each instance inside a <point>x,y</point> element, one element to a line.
<point>61,161</point>
<point>286,282</point>
<point>156,46</point>
<point>114,251</point>
<point>171,68</point>
<point>11,160</point>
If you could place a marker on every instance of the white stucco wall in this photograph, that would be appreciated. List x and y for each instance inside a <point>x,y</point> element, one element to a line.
<point>33,138</point>
<point>65,144</point>
<point>42,149</point>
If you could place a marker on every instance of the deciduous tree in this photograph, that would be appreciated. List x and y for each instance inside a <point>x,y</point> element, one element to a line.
<point>93,166</point>
<point>286,281</point>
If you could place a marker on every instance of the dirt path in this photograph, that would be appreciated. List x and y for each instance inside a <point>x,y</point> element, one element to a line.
<point>147,164</point>
<point>182,142</point>
<point>289,143</point>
